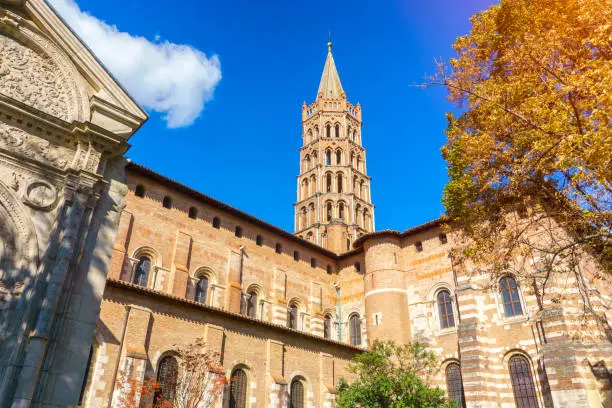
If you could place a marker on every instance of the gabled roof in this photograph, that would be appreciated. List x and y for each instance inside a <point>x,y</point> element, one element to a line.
<point>109,98</point>
<point>330,86</point>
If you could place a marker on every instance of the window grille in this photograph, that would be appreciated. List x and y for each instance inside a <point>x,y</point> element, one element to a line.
<point>454,384</point>
<point>167,378</point>
<point>296,394</point>
<point>445,310</point>
<point>522,383</point>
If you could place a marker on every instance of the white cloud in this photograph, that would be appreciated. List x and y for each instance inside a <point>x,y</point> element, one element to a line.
<point>173,79</point>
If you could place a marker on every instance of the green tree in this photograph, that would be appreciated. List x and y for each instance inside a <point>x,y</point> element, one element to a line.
<point>389,375</point>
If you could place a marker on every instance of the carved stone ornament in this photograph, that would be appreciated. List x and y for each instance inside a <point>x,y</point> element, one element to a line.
<point>8,291</point>
<point>24,144</point>
<point>40,195</point>
<point>34,79</point>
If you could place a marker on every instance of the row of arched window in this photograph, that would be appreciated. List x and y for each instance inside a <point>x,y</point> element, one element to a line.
<point>332,130</point>
<point>332,158</point>
<point>509,294</point>
<point>519,369</point>
<point>334,183</point>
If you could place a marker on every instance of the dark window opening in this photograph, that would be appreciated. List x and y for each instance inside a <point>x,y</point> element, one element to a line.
<point>167,203</point>
<point>235,393</point>
<point>141,274</point>
<point>140,191</point>
<point>443,239</point>
<point>296,256</point>
<point>292,317</point>
<point>355,330</point>
<point>279,248</point>
<point>357,266</point>
<point>201,290</point>
<point>259,240</point>
<point>313,263</point>
<point>238,232</point>
<point>193,213</point>
<point>419,246</point>
<point>216,222</point>
<point>329,269</point>
<point>327,326</point>
<point>251,309</point>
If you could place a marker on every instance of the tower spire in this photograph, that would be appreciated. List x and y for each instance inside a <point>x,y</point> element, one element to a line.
<point>330,86</point>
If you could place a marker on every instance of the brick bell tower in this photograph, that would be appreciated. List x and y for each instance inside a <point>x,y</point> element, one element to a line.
<point>333,205</point>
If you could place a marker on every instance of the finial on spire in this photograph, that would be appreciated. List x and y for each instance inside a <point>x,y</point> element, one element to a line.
<point>329,43</point>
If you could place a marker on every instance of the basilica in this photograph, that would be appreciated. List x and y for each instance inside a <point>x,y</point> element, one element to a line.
<point>108,267</point>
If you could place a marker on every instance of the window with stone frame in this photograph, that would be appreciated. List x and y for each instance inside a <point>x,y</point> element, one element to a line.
<point>355,330</point>
<point>454,384</point>
<point>510,297</point>
<point>292,316</point>
<point>445,309</point>
<point>142,271</point>
<point>201,289</point>
<point>296,394</point>
<point>167,377</point>
<point>522,382</point>
<point>236,390</point>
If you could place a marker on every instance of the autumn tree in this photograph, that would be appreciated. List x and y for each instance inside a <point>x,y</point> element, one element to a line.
<point>390,375</point>
<point>532,149</point>
<point>200,376</point>
<point>136,393</point>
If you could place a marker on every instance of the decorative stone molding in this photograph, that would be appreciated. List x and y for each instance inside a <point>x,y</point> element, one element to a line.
<point>23,144</point>
<point>40,195</point>
<point>34,72</point>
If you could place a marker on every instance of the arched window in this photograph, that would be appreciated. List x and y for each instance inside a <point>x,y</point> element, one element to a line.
<point>216,222</point>
<point>338,157</point>
<point>303,218</point>
<point>337,130</point>
<point>307,163</point>
<point>238,232</point>
<point>341,211</point>
<point>292,316</point>
<point>167,374</point>
<point>251,306</point>
<point>327,157</point>
<point>328,182</point>
<point>454,384</point>
<point>235,394</point>
<point>141,274</point>
<point>309,136</point>
<point>445,309</point>
<point>359,163</point>
<point>140,191</point>
<point>327,326</point>
<point>328,131</point>
<point>352,159</point>
<point>522,383</point>
<point>296,394</point>
<point>328,211</point>
<point>193,213</point>
<point>355,330</point>
<point>316,132</point>
<point>510,297</point>
<point>167,203</point>
<point>201,290</point>
<point>339,181</point>
<point>365,218</point>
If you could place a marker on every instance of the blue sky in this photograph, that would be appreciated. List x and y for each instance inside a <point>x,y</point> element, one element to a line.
<point>243,147</point>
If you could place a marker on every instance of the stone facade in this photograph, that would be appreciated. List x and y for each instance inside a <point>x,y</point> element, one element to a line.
<point>107,267</point>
